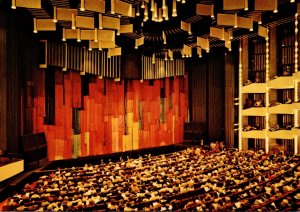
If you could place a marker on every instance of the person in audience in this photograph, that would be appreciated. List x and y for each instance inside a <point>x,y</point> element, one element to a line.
<point>191,179</point>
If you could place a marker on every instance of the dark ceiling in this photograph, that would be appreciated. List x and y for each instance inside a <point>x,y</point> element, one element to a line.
<point>152,31</point>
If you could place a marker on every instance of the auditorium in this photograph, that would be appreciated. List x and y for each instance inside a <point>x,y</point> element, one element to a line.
<point>149,105</point>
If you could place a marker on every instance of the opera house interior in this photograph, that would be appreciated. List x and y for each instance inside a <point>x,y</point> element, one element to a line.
<point>149,105</point>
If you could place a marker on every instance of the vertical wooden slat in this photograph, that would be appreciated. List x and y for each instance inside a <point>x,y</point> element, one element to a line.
<point>3,83</point>
<point>229,99</point>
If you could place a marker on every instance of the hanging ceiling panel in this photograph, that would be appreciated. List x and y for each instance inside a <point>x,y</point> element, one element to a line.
<point>66,14</point>
<point>45,25</point>
<point>85,22</point>
<point>234,4</point>
<point>265,4</point>
<point>29,3</point>
<point>95,5</point>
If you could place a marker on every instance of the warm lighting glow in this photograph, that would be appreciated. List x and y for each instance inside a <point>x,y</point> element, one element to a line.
<point>275,11</point>
<point>78,35</point>
<point>96,35</point>
<point>82,5</point>
<point>183,1</point>
<point>167,13</point>
<point>54,15</point>
<point>153,58</point>
<point>164,37</point>
<point>143,4</point>
<point>34,26</point>
<point>100,45</point>
<point>292,1</point>
<point>152,6</point>
<point>160,19</point>
<point>112,7</point>
<point>137,11</point>
<point>163,4</point>
<point>146,10</point>
<point>174,9</point>
<point>166,56</point>
<point>100,21</point>
<point>13,4</point>
<point>246,5</point>
<point>90,45</point>
<point>73,21</point>
<point>64,34</point>
<point>235,21</point>
<point>199,52</point>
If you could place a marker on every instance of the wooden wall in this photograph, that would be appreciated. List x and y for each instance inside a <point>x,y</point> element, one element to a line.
<point>3,133</point>
<point>112,117</point>
<point>230,84</point>
<point>18,56</point>
<point>207,95</point>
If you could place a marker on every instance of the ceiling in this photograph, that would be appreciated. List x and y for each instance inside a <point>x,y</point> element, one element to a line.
<point>176,35</point>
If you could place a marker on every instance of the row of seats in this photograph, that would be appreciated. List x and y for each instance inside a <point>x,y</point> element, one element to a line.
<point>192,179</point>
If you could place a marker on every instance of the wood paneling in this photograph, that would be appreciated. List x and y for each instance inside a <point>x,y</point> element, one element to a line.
<point>197,85</point>
<point>206,93</point>
<point>130,66</point>
<point>230,61</point>
<point>18,57</point>
<point>215,103</point>
<point>3,135</point>
<point>125,117</point>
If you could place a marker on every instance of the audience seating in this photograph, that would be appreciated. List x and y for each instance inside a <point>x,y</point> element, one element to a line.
<point>191,179</point>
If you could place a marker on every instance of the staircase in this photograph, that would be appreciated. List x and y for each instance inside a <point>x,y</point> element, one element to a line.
<point>193,133</point>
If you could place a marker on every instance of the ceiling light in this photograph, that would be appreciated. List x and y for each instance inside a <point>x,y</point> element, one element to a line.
<point>78,35</point>
<point>112,7</point>
<point>183,1</point>
<point>64,35</point>
<point>100,45</point>
<point>292,1</point>
<point>73,21</point>
<point>246,5</point>
<point>96,35</point>
<point>34,25</point>
<point>174,9</point>
<point>82,5</point>
<point>13,4</point>
<point>137,11</point>
<point>143,4</point>
<point>90,46</point>
<point>100,21</point>
<point>163,4</point>
<point>54,15</point>
<point>152,5</point>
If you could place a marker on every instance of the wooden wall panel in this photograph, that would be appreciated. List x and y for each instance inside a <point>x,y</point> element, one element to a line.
<point>206,94</point>
<point>3,121</point>
<point>197,86</point>
<point>130,66</point>
<point>230,61</point>
<point>215,96</point>
<point>14,53</point>
<point>120,119</point>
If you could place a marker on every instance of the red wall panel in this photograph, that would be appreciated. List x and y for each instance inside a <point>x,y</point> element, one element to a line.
<point>102,117</point>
